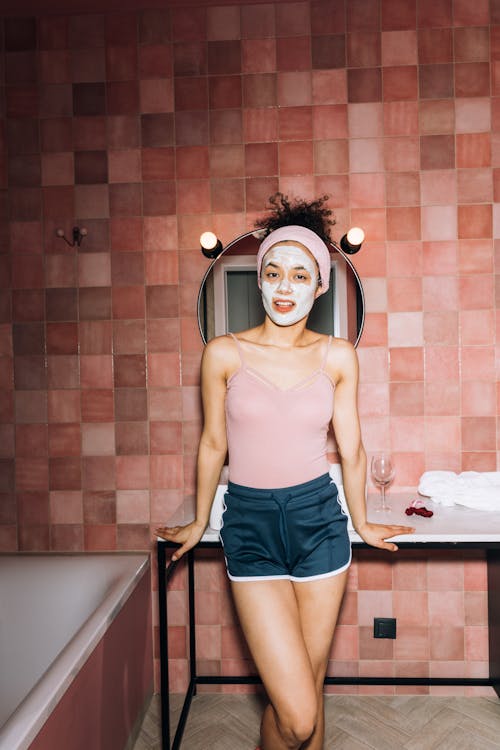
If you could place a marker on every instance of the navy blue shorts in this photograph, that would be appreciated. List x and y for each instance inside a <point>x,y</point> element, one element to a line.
<point>297,533</point>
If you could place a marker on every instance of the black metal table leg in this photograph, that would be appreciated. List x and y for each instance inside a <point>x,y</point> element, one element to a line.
<point>192,620</point>
<point>191,691</point>
<point>164,681</point>
<point>493,558</point>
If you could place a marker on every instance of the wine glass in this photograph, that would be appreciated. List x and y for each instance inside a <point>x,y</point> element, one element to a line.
<point>382,472</point>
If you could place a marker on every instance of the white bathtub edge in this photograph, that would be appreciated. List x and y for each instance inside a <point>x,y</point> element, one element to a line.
<point>25,722</point>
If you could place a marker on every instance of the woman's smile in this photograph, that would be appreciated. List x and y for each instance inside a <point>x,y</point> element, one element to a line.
<point>283,305</point>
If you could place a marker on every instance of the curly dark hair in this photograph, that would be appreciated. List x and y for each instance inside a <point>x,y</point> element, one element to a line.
<point>310,214</point>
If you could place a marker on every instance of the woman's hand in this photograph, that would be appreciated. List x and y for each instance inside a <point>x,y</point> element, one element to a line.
<point>375,534</point>
<point>187,536</point>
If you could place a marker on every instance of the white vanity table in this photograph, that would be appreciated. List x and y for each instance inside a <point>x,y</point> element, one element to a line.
<point>452,525</point>
<point>455,527</point>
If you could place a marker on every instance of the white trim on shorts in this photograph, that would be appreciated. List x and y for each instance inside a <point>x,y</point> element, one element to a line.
<point>295,579</point>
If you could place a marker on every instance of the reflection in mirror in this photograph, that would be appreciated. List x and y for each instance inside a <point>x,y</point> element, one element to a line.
<point>230,299</point>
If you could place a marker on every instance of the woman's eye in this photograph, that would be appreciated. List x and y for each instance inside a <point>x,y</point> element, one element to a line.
<point>271,274</point>
<point>301,277</point>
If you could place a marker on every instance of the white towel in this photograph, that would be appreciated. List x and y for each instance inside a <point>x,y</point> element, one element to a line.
<point>336,474</point>
<point>473,489</point>
<point>217,509</point>
<point>440,486</point>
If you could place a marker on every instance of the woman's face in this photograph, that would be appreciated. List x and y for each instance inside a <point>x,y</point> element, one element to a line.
<point>289,283</point>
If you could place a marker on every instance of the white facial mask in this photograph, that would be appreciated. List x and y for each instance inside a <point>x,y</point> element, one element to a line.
<point>286,297</point>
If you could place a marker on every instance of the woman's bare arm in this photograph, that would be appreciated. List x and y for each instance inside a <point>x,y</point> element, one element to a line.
<point>348,432</point>
<point>212,447</point>
<point>213,442</point>
<point>343,366</point>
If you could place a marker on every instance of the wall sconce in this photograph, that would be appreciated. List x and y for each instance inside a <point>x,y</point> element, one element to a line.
<point>211,246</point>
<point>77,236</point>
<point>352,241</point>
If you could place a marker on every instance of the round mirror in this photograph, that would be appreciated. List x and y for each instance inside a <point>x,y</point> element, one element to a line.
<point>229,298</point>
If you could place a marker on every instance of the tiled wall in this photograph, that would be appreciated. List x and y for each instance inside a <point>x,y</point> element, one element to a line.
<point>148,126</point>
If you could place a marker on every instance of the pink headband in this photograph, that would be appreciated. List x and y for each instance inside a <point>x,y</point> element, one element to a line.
<point>306,237</point>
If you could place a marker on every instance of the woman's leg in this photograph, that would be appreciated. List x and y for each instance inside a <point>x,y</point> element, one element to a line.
<point>281,624</point>
<point>269,617</point>
<point>319,604</point>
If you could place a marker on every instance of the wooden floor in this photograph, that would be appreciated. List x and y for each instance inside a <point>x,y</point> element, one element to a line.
<point>223,722</point>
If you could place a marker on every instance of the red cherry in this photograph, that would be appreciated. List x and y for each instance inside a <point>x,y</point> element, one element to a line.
<point>424,512</point>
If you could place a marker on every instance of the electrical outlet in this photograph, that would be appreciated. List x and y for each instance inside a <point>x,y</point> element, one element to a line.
<point>384,627</point>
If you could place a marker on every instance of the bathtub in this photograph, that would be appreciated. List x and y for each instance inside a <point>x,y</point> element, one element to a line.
<point>76,665</point>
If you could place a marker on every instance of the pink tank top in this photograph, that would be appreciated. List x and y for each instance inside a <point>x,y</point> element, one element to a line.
<point>277,437</point>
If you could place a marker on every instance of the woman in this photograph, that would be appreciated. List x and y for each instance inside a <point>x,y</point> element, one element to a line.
<point>268,396</point>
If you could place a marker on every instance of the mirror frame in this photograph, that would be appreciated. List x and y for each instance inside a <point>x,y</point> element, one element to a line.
<point>253,232</point>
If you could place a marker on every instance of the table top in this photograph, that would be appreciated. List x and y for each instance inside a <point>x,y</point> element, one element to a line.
<point>455,524</point>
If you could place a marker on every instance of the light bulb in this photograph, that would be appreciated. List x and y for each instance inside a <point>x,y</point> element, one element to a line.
<point>355,236</point>
<point>208,240</point>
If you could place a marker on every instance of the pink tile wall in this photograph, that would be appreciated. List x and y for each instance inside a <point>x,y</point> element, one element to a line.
<point>148,126</point>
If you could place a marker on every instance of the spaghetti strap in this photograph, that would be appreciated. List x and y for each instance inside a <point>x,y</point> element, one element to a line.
<point>325,356</point>
<point>240,349</point>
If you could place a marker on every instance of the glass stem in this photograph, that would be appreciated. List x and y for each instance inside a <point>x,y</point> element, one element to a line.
<point>382,489</point>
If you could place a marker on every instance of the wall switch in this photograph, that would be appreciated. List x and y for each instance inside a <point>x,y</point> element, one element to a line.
<point>384,627</point>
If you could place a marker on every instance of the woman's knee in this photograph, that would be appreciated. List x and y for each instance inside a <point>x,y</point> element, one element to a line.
<point>298,726</point>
